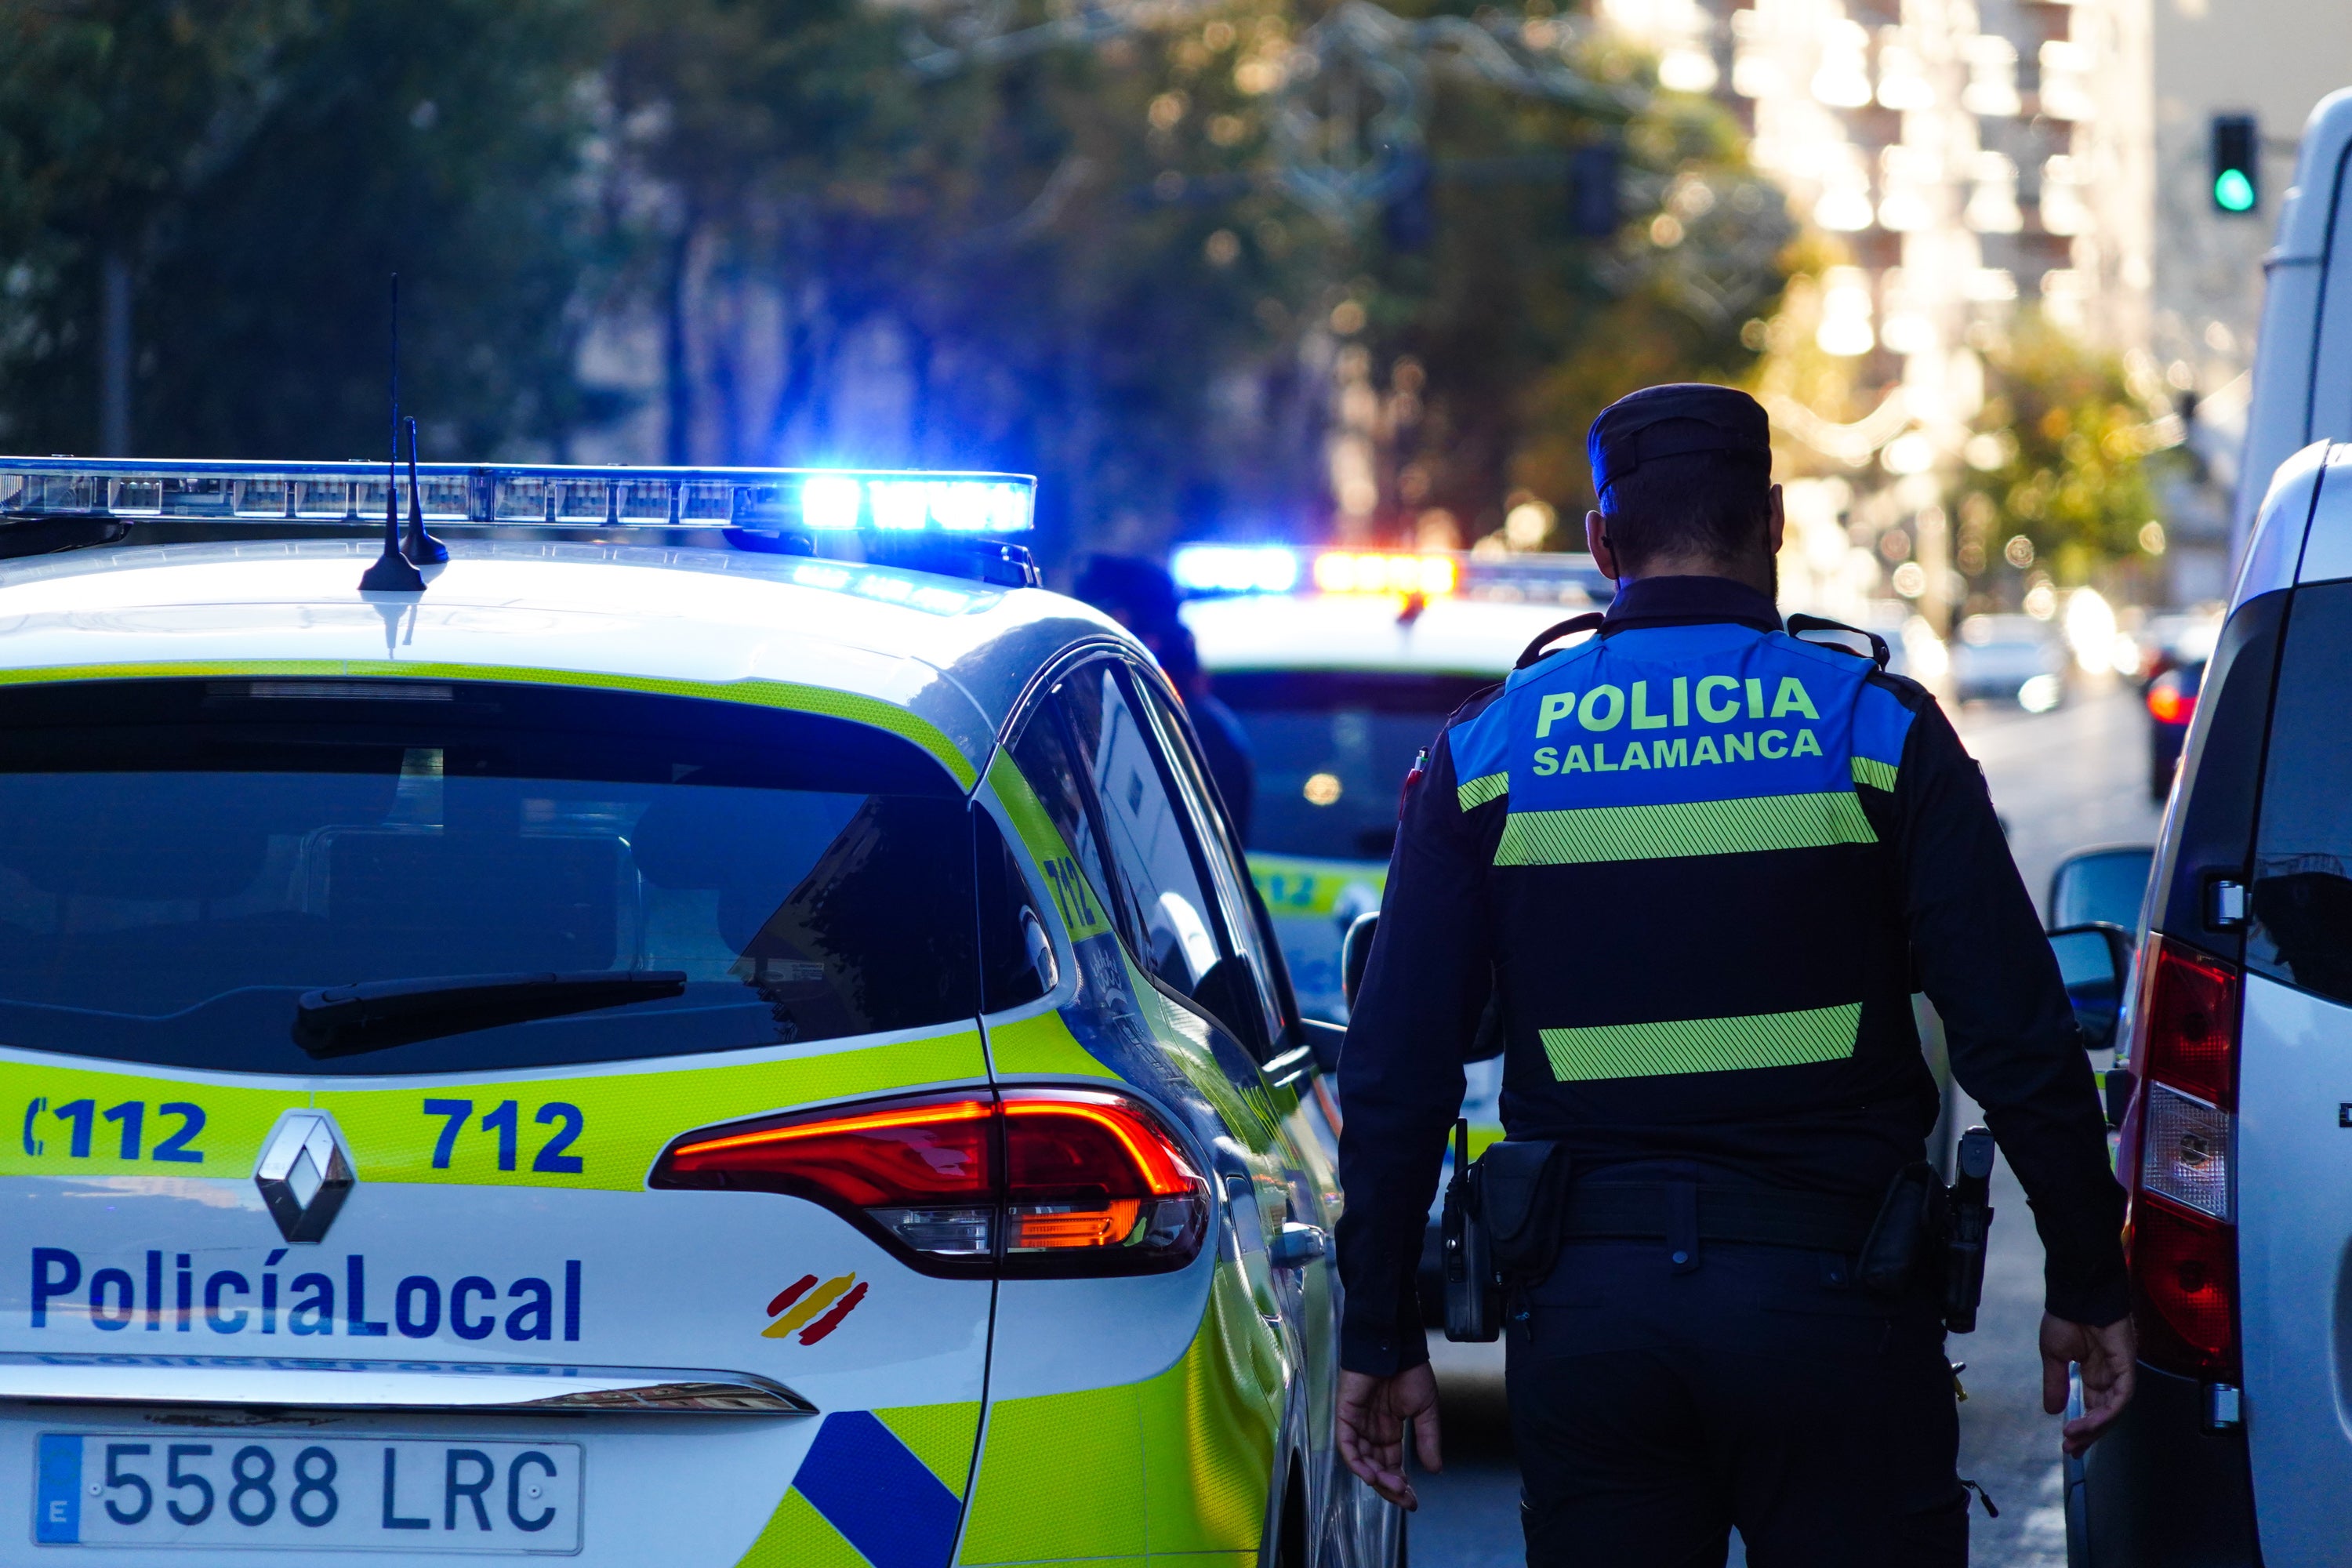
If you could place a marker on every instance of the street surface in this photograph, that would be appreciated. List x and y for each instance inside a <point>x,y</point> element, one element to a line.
<point>2063,780</point>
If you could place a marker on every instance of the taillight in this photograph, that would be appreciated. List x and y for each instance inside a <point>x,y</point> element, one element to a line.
<point>2170,701</point>
<point>2191,1024</point>
<point>2183,1238</point>
<point>1033,1183</point>
<point>1096,1171</point>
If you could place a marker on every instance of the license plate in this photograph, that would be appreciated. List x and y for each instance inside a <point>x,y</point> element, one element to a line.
<point>149,1489</point>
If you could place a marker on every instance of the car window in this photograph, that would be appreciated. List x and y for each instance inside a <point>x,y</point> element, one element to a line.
<point>180,862</point>
<point>1175,937</point>
<point>2301,930</point>
<point>1225,869</point>
<point>1333,748</point>
<point>1016,955</point>
<point>1043,754</point>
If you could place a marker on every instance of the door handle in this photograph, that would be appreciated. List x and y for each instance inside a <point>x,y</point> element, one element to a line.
<point>1296,1246</point>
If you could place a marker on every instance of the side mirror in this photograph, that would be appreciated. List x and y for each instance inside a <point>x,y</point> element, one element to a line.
<point>2092,959</point>
<point>2102,886</point>
<point>1355,952</point>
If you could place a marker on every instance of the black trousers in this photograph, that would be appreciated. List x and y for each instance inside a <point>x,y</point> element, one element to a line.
<point>1657,1406</point>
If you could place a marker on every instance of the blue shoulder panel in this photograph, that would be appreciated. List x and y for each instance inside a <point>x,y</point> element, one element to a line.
<point>1881,724</point>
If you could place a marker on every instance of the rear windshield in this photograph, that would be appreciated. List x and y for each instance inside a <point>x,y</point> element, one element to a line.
<point>1333,749</point>
<point>181,862</point>
<point>2301,926</point>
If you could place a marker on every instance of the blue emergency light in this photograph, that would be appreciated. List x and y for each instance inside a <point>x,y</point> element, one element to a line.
<point>762,500</point>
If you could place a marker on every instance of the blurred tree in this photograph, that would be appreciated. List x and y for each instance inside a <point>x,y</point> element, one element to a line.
<point>2060,462</point>
<point>1091,244</point>
<point>258,167</point>
<point>1037,260</point>
<point>1518,323</point>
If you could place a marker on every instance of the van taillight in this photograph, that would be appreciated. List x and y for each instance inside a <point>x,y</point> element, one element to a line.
<point>2182,1238</point>
<point>1033,1182</point>
<point>2191,1023</point>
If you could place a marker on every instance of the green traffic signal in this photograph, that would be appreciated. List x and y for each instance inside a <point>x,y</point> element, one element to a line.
<point>2236,150</point>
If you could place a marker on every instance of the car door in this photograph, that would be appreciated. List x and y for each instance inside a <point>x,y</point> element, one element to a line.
<point>2293,1193</point>
<point>1137,1414</point>
<point>1307,1208</point>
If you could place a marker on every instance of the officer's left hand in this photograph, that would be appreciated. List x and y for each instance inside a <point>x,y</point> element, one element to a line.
<point>1372,1414</point>
<point>2108,1356</point>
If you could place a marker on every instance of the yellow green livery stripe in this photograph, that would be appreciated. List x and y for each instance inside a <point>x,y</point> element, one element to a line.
<point>1702,1045</point>
<point>1477,792</point>
<point>1596,833</point>
<point>1876,775</point>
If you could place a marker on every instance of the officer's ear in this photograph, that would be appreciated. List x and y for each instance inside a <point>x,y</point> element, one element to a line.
<point>1777,528</point>
<point>1596,544</point>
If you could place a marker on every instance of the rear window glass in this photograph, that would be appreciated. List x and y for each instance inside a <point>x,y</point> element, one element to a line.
<point>181,861</point>
<point>2301,930</point>
<point>1333,748</point>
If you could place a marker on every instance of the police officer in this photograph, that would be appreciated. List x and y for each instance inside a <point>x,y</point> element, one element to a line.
<point>1700,864</point>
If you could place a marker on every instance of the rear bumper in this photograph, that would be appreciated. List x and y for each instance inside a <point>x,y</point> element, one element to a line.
<point>2160,1491</point>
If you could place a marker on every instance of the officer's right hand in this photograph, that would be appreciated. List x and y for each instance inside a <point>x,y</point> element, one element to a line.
<point>1372,1414</point>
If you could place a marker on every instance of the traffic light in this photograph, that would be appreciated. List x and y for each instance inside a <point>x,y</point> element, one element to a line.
<point>2237,165</point>
<point>1594,210</point>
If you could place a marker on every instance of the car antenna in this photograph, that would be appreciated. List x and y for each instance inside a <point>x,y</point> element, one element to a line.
<point>393,572</point>
<point>422,549</point>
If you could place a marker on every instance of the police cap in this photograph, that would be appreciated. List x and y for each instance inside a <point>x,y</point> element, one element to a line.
<point>1674,421</point>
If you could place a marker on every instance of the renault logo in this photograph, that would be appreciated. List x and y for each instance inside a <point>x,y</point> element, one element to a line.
<point>304,1176</point>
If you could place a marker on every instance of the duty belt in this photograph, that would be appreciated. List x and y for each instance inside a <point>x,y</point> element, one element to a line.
<point>1762,1216</point>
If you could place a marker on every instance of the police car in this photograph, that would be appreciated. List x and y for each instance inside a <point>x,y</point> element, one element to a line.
<point>719,1025</point>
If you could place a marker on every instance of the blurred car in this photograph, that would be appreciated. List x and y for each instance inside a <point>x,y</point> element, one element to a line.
<point>2171,638</point>
<point>1343,666</point>
<point>2171,704</point>
<point>1913,648</point>
<point>2010,658</point>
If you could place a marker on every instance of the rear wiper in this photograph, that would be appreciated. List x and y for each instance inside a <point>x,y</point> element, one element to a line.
<point>344,1020</point>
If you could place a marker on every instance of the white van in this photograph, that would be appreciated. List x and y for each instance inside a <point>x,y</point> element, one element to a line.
<point>2237,1139</point>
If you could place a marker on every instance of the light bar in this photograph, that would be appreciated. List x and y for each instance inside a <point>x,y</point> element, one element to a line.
<point>1374,572</point>
<point>1208,571</point>
<point>765,500</point>
<point>1234,568</point>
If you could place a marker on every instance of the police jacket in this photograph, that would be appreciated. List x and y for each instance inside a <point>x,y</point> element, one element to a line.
<point>1702,865</point>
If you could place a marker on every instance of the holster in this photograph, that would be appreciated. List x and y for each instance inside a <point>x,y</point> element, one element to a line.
<point>1502,1230</point>
<point>1929,1240</point>
<point>1905,1249</point>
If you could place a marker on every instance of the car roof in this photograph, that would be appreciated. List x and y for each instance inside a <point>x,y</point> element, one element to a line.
<point>2303,531</point>
<point>1365,632</point>
<point>955,653</point>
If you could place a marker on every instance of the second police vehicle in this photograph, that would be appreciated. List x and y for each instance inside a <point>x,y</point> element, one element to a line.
<point>1343,665</point>
<point>721,1025</point>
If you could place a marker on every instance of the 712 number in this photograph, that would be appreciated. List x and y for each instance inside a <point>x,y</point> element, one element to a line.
<point>505,1122</point>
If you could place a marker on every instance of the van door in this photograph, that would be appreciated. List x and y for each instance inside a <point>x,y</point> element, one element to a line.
<point>2294,1174</point>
